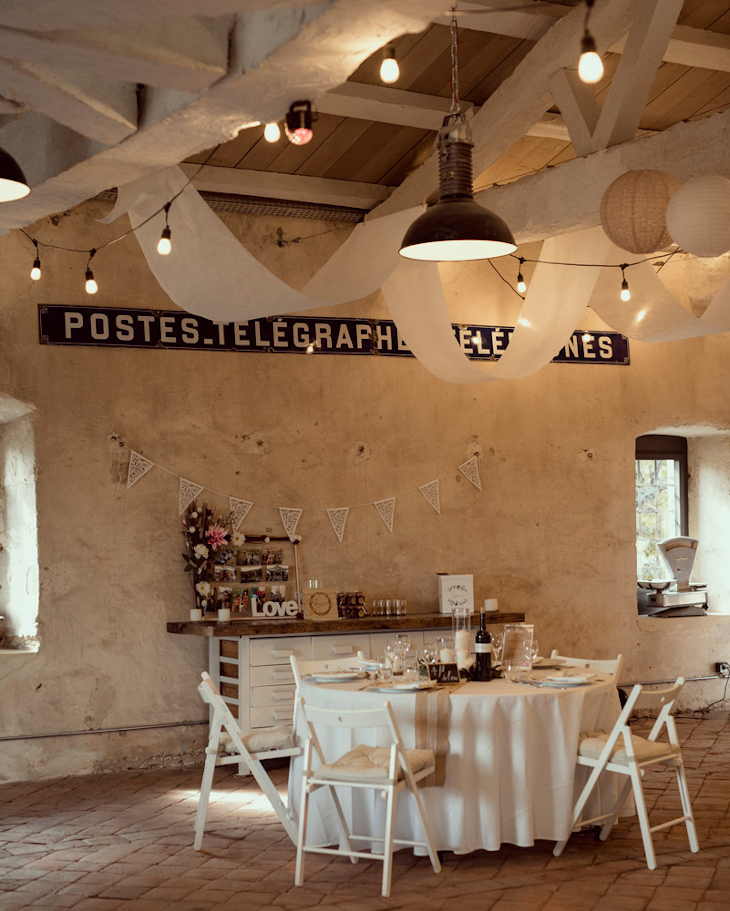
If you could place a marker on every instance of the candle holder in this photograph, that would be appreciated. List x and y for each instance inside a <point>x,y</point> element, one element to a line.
<point>461,634</point>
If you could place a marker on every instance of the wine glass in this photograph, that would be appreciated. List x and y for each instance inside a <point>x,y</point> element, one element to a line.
<point>534,651</point>
<point>497,643</point>
<point>403,641</point>
<point>392,656</point>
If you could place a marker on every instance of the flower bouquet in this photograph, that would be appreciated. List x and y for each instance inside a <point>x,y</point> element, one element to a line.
<point>204,534</point>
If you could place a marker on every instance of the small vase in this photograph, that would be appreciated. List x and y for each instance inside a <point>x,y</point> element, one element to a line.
<point>224,613</point>
<point>196,613</point>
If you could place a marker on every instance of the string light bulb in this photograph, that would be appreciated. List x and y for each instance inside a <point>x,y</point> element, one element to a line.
<point>272,133</point>
<point>298,123</point>
<point>310,348</point>
<point>521,283</point>
<point>91,285</point>
<point>625,293</point>
<point>164,244</point>
<point>590,65</point>
<point>35,272</point>
<point>389,69</point>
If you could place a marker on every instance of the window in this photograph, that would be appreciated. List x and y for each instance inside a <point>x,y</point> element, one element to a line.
<point>661,499</point>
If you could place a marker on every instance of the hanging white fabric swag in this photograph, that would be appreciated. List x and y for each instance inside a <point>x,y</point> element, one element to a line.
<point>213,275</point>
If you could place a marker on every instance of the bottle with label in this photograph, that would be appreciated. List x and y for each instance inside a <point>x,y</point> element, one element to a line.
<point>483,650</point>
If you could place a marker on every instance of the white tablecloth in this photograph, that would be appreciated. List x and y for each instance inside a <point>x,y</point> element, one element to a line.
<point>509,770</point>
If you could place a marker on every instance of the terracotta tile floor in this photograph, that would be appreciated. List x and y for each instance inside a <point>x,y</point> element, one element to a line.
<point>124,841</point>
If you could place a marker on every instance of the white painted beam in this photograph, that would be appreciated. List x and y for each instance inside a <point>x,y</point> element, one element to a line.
<point>646,44</point>
<point>387,105</point>
<point>272,185</point>
<point>521,100</point>
<point>55,15</point>
<point>693,47</point>
<point>315,53</point>
<point>186,54</point>
<point>578,106</point>
<point>502,17</point>
<point>568,198</point>
<point>100,108</point>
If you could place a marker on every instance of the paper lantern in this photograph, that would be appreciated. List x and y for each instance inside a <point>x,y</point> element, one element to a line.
<point>698,216</point>
<point>633,210</point>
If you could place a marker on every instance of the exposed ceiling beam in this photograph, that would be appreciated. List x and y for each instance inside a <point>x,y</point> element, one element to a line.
<point>277,57</point>
<point>387,105</point>
<point>520,101</point>
<point>687,46</point>
<point>500,17</point>
<point>101,108</point>
<point>272,185</point>
<point>185,54</point>
<point>568,198</point>
<point>54,15</point>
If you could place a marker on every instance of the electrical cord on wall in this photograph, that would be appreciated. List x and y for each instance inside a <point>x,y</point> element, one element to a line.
<point>703,711</point>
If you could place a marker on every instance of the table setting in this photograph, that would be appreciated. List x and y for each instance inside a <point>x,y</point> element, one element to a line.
<point>505,747</point>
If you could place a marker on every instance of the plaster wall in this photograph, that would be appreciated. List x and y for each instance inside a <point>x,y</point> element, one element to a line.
<point>550,534</point>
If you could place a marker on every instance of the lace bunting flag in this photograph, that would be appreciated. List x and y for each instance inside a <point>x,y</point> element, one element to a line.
<point>431,493</point>
<point>138,466</point>
<point>338,518</point>
<point>188,492</point>
<point>470,470</point>
<point>239,511</point>
<point>386,509</point>
<point>289,519</point>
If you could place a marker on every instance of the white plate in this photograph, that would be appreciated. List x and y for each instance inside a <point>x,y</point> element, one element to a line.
<point>403,687</point>
<point>336,677</point>
<point>570,680</point>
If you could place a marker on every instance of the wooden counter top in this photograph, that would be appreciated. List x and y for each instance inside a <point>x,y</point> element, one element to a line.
<point>248,627</point>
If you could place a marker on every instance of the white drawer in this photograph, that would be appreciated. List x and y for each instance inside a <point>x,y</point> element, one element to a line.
<point>270,715</point>
<point>339,646</point>
<point>278,649</point>
<point>277,696</point>
<point>271,675</point>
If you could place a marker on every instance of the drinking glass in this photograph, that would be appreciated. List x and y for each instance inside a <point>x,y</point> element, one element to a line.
<point>534,651</point>
<point>385,674</point>
<point>392,656</point>
<point>497,640</point>
<point>410,670</point>
<point>444,650</point>
<point>404,643</point>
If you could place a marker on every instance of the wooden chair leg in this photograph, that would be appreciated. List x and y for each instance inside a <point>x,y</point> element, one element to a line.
<point>433,854</point>
<point>694,844</point>
<point>388,843</point>
<point>301,836</point>
<point>643,818</point>
<point>211,755</point>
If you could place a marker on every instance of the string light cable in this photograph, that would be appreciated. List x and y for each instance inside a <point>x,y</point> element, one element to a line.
<point>89,275</point>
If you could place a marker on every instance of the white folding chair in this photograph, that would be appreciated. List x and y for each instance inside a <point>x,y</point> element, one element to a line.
<point>604,666</point>
<point>235,746</point>
<point>301,666</point>
<point>627,754</point>
<point>389,770</point>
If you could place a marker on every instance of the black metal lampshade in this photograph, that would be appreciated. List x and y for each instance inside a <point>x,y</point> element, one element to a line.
<point>456,227</point>
<point>13,184</point>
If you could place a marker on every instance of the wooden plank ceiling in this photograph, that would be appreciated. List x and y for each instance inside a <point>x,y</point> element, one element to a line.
<point>368,151</point>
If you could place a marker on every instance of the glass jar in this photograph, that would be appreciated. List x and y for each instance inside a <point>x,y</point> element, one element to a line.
<point>461,633</point>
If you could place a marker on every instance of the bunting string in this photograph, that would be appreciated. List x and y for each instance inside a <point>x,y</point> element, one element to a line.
<point>188,491</point>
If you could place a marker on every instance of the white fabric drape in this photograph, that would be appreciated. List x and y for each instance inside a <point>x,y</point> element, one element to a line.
<point>211,274</point>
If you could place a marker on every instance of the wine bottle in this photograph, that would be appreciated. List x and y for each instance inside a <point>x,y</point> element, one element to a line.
<point>483,650</point>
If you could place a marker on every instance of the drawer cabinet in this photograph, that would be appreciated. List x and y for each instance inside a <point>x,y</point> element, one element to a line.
<point>254,673</point>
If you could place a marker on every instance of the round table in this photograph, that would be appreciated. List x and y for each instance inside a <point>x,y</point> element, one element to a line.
<point>505,754</point>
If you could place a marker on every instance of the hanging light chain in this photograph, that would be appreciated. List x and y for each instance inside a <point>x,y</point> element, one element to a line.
<point>455,105</point>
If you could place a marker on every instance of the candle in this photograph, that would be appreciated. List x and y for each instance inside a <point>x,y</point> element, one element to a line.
<point>491,604</point>
<point>446,655</point>
<point>461,641</point>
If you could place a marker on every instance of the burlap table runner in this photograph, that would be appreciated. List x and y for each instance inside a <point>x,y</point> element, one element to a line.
<point>433,711</point>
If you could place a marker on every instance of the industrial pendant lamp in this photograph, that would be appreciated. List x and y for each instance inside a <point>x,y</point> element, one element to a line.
<point>455,227</point>
<point>13,184</point>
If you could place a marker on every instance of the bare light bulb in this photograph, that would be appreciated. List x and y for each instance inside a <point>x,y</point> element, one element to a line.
<point>521,284</point>
<point>35,272</point>
<point>389,69</point>
<point>164,244</point>
<point>310,348</point>
<point>91,286</point>
<point>590,65</point>
<point>625,293</point>
<point>272,133</point>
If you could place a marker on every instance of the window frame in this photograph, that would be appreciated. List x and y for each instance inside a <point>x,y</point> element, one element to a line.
<point>666,446</point>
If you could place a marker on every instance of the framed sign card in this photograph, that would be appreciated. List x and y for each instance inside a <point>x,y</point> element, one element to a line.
<point>456,591</point>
